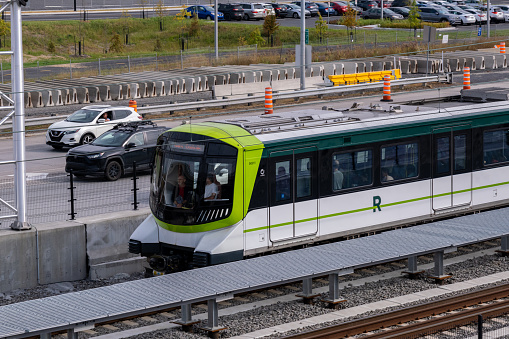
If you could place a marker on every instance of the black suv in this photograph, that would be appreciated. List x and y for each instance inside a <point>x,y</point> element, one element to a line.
<point>232,11</point>
<point>113,153</point>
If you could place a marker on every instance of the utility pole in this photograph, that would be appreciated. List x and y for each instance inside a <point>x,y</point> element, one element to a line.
<point>302,45</point>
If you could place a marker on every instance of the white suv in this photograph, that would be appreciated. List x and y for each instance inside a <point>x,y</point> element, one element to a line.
<point>87,123</point>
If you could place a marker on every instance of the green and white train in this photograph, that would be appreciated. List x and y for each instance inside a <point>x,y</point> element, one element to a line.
<point>293,179</point>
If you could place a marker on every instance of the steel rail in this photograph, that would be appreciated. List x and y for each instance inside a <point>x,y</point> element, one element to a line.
<point>386,320</point>
<point>445,322</point>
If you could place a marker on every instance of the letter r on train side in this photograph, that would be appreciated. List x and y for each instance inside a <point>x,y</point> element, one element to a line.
<point>376,203</point>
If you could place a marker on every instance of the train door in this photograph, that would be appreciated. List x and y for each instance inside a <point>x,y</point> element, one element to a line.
<point>452,168</point>
<point>293,194</point>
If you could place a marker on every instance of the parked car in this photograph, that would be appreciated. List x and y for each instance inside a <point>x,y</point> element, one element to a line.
<point>366,4</point>
<point>505,10</point>
<point>325,9</point>
<point>253,11</point>
<point>87,123</point>
<point>401,3</point>
<point>480,17</point>
<point>114,152</point>
<point>474,3</point>
<point>231,11</point>
<point>310,6</point>
<point>434,14</point>
<point>294,11</point>
<point>496,13</point>
<point>466,18</point>
<point>280,9</point>
<point>387,3</point>
<point>376,13</point>
<point>204,12</point>
<point>401,10</point>
<point>340,7</point>
<point>269,10</point>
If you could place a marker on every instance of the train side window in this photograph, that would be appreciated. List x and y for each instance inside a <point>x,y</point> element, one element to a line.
<point>460,152</point>
<point>352,169</point>
<point>443,155</point>
<point>399,162</point>
<point>283,180</point>
<point>495,147</point>
<point>303,174</point>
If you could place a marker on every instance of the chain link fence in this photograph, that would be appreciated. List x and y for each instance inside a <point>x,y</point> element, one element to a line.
<point>49,196</point>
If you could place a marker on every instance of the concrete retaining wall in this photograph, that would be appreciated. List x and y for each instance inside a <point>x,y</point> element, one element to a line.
<point>94,247</point>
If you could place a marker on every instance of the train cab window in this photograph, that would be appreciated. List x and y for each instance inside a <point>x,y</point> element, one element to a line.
<point>303,174</point>
<point>495,147</point>
<point>219,181</point>
<point>399,162</point>
<point>352,169</point>
<point>283,180</point>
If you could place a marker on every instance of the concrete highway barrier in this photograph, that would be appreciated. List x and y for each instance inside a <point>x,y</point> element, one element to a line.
<point>94,247</point>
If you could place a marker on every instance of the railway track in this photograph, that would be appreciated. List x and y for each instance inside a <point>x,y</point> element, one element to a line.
<point>423,319</point>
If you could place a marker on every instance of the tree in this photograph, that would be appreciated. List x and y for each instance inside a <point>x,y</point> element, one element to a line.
<point>414,18</point>
<point>350,18</point>
<point>51,47</point>
<point>242,41</point>
<point>115,44</point>
<point>126,23</point>
<point>321,27</point>
<point>160,12</point>
<point>5,29</point>
<point>194,28</point>
<point>158,45</point>
<point>255,38</point>
<point>143,3</point>
<point>270,26</point>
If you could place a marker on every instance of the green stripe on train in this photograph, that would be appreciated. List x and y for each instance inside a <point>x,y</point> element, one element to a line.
<point>371,207</point>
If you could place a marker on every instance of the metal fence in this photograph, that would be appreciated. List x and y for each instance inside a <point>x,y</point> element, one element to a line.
<point>193,56</point>
<point>481,328</point>
<point>102,4</point>
<point>51,197</point>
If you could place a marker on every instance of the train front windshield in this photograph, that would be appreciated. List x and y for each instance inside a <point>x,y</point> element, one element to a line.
<point>192,183</point>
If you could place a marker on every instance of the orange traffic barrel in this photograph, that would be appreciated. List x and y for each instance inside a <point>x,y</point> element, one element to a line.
<point>133,104</point>
<point>268,101</point>
<point>502,47</point>
<point>466,78</point>
<point>387,89</point>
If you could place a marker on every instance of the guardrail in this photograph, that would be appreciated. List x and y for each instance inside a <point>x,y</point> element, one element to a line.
<point>195,105</point>
<point>290,95</point>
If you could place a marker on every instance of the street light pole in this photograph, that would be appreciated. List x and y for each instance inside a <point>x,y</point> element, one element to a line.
<point>302,45</point>
<point>216,43</point>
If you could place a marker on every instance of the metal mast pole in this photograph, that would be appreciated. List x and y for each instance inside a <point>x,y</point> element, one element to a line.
<point>18,129</point>
<point>488,11</point>
<point>302,45</point>
<point>216,36</point>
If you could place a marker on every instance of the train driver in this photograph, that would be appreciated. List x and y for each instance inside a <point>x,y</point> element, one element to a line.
<point>210,188</point>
